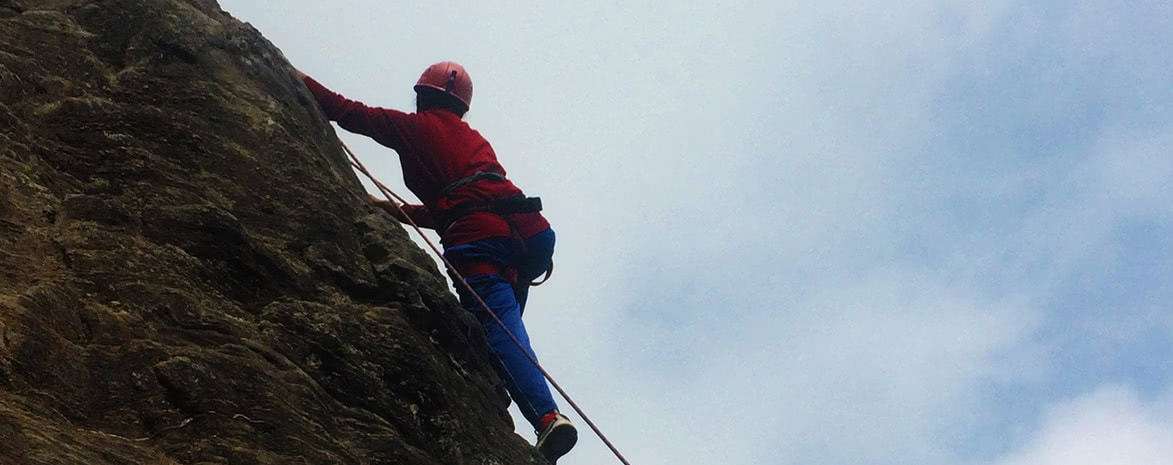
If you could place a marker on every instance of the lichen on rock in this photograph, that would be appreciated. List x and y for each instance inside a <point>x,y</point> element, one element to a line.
<point>189,270</point>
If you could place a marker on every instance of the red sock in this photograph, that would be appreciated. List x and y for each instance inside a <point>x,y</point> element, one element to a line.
<point>548,418</point>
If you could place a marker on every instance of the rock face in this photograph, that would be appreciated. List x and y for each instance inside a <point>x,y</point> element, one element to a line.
<point>189,272</point>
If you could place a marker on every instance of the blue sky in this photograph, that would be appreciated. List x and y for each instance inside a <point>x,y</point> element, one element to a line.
<point>821,233</point>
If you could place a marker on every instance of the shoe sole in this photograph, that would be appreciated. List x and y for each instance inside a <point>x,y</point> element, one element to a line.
<point>559,442</point>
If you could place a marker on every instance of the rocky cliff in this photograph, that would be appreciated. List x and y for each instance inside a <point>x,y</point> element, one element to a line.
<point>189,272</point>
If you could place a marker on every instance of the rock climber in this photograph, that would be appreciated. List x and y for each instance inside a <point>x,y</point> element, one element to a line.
<point>492,233</point>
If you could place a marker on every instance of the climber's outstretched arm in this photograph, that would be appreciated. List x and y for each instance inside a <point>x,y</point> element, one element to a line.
<point>382,124</point>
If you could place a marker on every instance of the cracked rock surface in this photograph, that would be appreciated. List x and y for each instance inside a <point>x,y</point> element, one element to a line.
<point>189,272</point>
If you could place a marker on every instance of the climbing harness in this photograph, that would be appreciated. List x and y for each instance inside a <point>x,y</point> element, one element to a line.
<point>499,207</point>
<point>460,279</point>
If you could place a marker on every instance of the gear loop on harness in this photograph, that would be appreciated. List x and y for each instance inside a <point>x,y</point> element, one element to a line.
<point>549,273</point>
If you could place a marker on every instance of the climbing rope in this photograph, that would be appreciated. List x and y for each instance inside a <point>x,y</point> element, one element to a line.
<point>389,195</point>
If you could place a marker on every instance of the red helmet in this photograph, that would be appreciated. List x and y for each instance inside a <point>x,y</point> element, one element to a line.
<point>447,77</point>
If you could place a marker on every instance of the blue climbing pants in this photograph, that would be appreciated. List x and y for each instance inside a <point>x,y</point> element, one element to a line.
<point>529,259</point>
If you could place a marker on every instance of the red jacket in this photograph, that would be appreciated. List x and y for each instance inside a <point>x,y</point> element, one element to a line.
<point>436,148</point>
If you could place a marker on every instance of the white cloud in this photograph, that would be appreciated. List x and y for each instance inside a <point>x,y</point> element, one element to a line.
<point>1135,171</point>
<point>1111,426</point>
<point>868,372</point>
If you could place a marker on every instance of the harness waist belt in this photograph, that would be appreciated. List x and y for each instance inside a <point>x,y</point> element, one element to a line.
<point>501,207</point>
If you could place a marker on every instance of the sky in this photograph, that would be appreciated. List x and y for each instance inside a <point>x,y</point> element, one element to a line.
<point>820,233</point>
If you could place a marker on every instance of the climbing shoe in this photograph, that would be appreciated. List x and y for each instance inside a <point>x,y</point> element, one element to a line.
<point>556,437</point>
